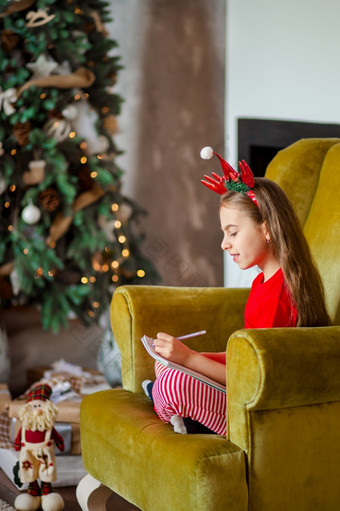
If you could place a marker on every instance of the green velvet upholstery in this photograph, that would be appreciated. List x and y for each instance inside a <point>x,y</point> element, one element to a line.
<point>282,449</point>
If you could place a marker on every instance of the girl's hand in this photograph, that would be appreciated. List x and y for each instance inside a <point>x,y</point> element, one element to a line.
<point>212,365</point>
<point>171,348</point>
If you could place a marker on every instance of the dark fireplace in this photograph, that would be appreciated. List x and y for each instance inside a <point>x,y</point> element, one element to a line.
<point>260,139</point>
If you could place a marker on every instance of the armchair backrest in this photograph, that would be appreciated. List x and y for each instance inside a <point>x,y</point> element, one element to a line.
<point>309,172</point>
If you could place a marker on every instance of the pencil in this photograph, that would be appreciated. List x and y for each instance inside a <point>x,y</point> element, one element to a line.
<point>188,336</point>
<point>194,334</point>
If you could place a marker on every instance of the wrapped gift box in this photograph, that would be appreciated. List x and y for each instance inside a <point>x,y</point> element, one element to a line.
<point>83,380</point>
<point>69,411</point>
<point>5,396</point>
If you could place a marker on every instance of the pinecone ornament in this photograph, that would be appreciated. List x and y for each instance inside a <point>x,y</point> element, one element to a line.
<point>49,200</point>
<point>21,131</point>
<point>9,40</point>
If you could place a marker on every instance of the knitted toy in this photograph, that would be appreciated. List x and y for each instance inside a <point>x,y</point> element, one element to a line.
<point>35,441</point>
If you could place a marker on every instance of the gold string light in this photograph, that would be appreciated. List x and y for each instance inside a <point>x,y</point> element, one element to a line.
<point>39,272</point>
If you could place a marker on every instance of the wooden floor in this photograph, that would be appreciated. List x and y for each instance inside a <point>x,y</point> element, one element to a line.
<point>8,492</point>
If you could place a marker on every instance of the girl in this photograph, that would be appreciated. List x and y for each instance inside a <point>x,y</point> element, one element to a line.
<point>260,228</point>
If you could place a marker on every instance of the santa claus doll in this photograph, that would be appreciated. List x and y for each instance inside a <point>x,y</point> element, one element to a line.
<point>35,442</point>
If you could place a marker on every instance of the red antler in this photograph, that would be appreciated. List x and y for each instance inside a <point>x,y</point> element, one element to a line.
<point>228,170</point>
<point>247,176</point>
<point>216,183</point>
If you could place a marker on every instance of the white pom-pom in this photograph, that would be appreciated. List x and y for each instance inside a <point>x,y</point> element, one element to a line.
<point>207,153</point>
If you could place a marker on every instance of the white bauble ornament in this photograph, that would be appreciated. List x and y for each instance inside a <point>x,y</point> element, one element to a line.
<point>31,214</point>
<point>103,144</point>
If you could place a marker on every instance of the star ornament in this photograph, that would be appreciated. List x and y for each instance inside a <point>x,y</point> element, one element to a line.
<point>42,67</point>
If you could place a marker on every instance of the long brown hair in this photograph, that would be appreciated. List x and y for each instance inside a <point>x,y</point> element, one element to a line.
<point>289,245</point>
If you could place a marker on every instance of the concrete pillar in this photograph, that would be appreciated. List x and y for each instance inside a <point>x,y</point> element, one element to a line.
<point>173,85</point>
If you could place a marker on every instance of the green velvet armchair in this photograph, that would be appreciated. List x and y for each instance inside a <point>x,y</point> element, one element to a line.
<point>282,449</point>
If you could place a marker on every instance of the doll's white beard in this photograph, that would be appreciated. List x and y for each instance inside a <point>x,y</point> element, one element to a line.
<point>40,422</point>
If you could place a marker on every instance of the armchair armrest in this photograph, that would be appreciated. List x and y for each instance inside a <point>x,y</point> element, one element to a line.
<point>139,310</point>
<point>279,368</point>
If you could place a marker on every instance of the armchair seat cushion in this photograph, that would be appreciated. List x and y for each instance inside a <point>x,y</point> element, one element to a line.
<point>201,472</point>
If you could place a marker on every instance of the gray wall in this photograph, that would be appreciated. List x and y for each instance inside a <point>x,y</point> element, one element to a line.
<point>173,85</point>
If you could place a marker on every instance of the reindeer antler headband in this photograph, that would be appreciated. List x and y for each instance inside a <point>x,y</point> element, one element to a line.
<point>242,182</point>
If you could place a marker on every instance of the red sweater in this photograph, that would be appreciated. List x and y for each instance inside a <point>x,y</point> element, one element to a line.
<point>269,304</point>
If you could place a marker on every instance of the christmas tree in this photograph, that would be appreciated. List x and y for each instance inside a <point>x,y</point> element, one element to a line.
<point>67,234</point>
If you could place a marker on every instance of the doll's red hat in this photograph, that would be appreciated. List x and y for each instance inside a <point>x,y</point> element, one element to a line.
<point>41,391</point>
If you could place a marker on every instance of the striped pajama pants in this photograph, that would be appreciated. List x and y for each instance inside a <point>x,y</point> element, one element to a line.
<point>176,393</point>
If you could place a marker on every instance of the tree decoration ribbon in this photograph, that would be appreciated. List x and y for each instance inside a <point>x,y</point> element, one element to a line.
<point>6,268</point>
<point>62,223</point>
<point>8,97</point>
<point>17,6</point>
<point>98,22</point>
<point>81,78</point>
<point>242,182</point>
